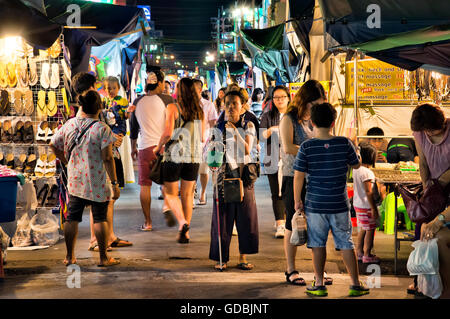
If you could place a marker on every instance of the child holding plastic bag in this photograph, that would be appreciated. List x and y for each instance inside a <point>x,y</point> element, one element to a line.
<point>298,236</point>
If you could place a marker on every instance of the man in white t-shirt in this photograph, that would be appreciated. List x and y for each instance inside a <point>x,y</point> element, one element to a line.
<point>146,127</point>
<point>210,118</point>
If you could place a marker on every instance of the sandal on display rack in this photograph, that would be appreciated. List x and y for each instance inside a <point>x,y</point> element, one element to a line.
<point>28,102</point>
<point>42,132</point>
<point>30,164</point>
<point>12,77</point>
<point>41,105</point>
<point>7,132</point>
<point>10,161</point>
<point>22,72</point>
<point>52,127</point>
<point>18,103</point>
<point>33,77</point>
<point>45,75</point>
<point>3,75</point>
<point>50,169</point>
<point>5,108</point>
<point>52,107</point>
<point>54,79</point>
<point>41,163</point>
<point>28,132</point>
<point>20,163</point>
<point>18,133</point>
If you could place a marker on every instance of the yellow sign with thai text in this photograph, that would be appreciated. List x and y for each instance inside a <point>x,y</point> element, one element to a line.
<point>377,80</point>
<point>295,87</point>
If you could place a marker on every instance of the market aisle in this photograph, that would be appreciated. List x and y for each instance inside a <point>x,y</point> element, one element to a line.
<point>157,267</point>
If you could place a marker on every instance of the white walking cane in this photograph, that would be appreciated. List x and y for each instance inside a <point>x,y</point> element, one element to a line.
<point>214,160</point>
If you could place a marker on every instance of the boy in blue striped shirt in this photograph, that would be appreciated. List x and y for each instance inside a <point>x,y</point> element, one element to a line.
<point>325,160</point>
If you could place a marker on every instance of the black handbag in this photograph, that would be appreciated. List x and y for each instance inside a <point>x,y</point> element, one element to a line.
<point>233,190</point>
<point>250,173</point>
<point>156,174</point>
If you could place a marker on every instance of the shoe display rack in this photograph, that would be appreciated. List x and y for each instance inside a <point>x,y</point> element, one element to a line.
<point>32,107</point>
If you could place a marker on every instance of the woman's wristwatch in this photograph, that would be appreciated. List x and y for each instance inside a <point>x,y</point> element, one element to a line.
<point>441,218</point>
<point>114,183</point>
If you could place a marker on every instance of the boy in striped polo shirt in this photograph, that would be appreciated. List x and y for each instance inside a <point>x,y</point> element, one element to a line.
<point>325,160</point>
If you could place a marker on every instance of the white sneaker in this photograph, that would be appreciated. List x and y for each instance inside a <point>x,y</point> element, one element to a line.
<point>280,231</point>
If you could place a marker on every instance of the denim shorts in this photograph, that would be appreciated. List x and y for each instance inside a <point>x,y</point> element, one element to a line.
<point>319,226</point>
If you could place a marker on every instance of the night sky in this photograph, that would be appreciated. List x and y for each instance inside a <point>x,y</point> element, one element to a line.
<point>186,20</point>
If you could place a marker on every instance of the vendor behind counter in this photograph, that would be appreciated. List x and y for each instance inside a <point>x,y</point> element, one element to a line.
<point>402,149</point>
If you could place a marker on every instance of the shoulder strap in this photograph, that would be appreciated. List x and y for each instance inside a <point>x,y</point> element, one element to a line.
<point>178,120</point>
<point>78,138</point>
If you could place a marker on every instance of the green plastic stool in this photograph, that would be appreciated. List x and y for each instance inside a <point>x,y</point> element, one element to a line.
<point>389,214</point>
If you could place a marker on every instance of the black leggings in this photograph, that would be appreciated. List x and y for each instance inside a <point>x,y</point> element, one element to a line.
<point>279,209</point>
<point>288,198</point>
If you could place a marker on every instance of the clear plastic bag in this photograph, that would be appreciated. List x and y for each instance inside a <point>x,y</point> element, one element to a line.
<point>424,262</point>
<point>424,259</point>
<point>22,236</point>
<point>45,228</point>
<point>298,236</point>
<point>430,285</point>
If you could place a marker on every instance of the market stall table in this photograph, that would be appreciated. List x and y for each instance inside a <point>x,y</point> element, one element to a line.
<point>392,178</point>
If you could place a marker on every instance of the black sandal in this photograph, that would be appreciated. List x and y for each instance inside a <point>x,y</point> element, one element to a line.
<point>183,239</point>
<point>297,281</point>
<point>327,281</point>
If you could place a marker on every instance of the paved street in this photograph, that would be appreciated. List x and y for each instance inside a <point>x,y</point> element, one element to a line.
<point>158,267</point>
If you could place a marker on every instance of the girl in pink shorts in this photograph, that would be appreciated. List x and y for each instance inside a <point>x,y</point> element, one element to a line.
<point>364,204</point>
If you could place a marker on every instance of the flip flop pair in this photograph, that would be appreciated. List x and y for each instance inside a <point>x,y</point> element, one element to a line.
<point>23,102</point>
<point>121,243</point>
<point>50,79</point>
<point>145,228</point>
<point>110,262</point>
<point>245,266</point>
<point>94,247</point>
<point>45,109</point>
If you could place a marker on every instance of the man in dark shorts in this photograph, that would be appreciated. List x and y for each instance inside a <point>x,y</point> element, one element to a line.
<point>146,127</point>
<point>87,155</point>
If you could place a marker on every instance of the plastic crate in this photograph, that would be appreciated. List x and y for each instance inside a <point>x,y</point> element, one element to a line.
<point>8,198</point>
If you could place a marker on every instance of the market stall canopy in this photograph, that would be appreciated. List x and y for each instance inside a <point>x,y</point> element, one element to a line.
<point>266,47</point>
<point>120,54</point>
<point>107,22</point>
<point>410,50</point>
<point>347,20</point>
<point>110,21</point>
<point>17,19</point>
<point>302,13</point>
